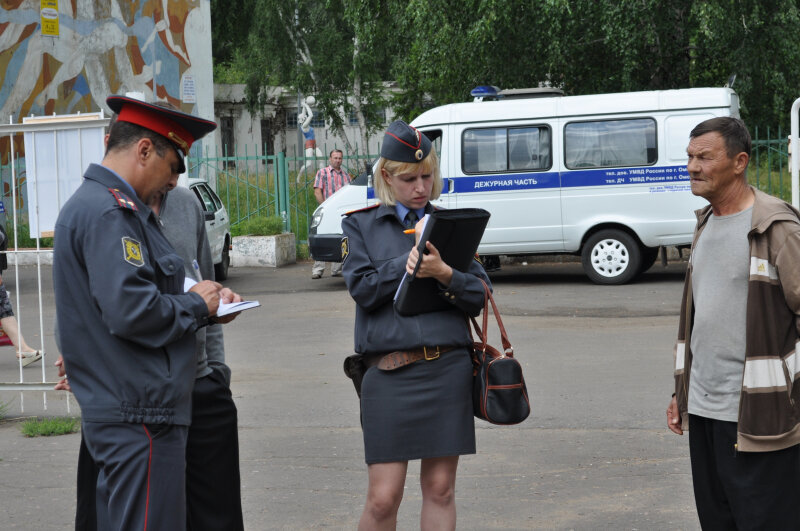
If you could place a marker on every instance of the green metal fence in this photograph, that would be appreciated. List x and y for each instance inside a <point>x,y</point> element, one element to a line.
<point>769,169</point>
<point>252,184</point>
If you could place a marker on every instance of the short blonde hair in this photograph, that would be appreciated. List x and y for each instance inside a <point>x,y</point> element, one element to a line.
<point>429,164</point>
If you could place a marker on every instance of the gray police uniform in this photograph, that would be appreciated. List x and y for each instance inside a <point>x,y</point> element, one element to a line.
<point>424,409</point>
<point>126,330</point>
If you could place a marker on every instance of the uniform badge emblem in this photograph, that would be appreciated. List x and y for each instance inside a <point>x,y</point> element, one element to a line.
<point>345,248</point>
<point>132,251</point>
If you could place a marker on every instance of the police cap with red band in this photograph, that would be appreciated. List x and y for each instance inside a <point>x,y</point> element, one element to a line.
<point>403,143</point>
<point>180,128</point>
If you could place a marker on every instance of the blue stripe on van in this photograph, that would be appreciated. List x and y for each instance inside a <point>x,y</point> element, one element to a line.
<point>507,181</point>
<point>567,179</point>
<point>614,176</point>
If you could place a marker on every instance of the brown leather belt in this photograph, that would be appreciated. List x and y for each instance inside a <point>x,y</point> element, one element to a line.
<point>401,358</point>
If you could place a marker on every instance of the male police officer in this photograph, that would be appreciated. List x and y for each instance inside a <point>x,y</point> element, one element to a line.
<point>126,325</point>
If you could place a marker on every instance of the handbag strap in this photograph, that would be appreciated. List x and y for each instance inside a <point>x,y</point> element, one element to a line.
<point>482,332</point>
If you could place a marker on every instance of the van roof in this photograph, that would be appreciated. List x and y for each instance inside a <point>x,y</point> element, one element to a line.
<point>572,106</point>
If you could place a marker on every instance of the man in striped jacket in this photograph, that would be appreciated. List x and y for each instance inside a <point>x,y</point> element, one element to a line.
<point>328,180</point>
<point>736,356</point>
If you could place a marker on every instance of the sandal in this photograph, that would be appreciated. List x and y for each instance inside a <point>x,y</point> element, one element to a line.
<point>30,357</point>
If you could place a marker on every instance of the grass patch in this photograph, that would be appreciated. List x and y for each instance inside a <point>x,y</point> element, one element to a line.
<point>45,427</point>
<point>258,226</point>
<point>302,251</point>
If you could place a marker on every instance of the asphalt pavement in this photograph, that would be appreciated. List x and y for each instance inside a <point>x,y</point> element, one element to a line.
<point>595,453</point>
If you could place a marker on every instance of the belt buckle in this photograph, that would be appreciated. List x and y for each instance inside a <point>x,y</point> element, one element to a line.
<point>432,357</point>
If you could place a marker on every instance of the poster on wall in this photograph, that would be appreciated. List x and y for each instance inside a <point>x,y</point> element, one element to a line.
<point>188,94</point>
<point>59,149</point>
<point>49,17</point>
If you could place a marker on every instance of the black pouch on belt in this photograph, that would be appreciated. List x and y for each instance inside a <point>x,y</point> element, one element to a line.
<point>354,368</point>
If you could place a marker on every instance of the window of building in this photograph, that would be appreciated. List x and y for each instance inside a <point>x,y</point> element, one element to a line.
<point>228,146</point>
<point>610,143</point>
<point>319,119</point>
<point>505,149</point>
<point>352,119</point>
<point>226,130</point>
<point>266,137</point>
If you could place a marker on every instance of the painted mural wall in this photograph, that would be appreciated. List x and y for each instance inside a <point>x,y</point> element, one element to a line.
<point>67,56</point>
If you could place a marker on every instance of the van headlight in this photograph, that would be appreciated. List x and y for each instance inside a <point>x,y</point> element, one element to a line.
<point>316,219</point>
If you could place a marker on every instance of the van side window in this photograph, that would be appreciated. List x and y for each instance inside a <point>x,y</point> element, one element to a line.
<point>504,149</point>
<point>610,143</point>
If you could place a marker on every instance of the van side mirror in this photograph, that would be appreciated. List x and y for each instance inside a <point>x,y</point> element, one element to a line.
<point>209,215</point>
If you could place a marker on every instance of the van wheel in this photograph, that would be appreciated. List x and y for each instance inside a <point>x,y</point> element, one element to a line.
<point>649,257</point>
<point>611,257</point>
<point>221,269</point>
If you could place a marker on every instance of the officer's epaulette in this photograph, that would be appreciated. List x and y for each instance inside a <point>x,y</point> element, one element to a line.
<point>376,205</point>
<point>123,200</point>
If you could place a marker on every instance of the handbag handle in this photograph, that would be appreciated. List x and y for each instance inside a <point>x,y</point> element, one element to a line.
<point>482,332</point>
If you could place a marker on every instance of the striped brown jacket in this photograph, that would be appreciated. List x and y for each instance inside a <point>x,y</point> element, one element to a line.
<point>769,405</point>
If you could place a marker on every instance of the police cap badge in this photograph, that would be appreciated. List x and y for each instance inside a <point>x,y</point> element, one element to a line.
<point>403,143</point>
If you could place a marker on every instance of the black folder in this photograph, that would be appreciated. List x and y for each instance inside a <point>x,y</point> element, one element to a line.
<point>456,234</point>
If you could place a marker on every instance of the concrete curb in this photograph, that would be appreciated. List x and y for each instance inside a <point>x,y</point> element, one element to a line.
<point>29,257</point>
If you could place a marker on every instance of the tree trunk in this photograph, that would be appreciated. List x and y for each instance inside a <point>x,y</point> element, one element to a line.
<point>362,123</point>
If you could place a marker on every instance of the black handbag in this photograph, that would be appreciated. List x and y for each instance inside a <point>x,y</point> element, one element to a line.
<point>499,394</point>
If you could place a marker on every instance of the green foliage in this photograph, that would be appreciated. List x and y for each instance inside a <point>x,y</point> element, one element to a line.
<point>24,240</point>
<point>229,73</point>
<point>230,28</point>
<point>437,50</point>
<point>258,226</point>
<point>332,49</point>
<point>591,46</point>
<point>302,251</point>
<point>46,427</point>
<point>4,409</point>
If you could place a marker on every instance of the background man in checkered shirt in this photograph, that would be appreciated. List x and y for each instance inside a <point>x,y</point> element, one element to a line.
<point>328,180</point>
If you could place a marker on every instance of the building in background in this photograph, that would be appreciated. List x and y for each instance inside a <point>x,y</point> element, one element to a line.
<point>66,57</point>
<point>274,128</point>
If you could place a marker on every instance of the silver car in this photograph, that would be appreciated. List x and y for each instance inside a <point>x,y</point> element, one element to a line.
<point>218,226</point>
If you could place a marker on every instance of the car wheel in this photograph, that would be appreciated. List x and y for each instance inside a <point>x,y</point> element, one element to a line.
<point>611,257</point>
<point>221,269</point>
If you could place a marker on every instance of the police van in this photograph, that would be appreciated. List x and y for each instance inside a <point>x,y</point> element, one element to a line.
<point>601,176</point>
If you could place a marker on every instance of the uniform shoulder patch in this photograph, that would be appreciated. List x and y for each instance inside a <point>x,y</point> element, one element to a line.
<point>123,200</point>
<point>132,251</point>
<point>376,205</point>
<point>345,248</point>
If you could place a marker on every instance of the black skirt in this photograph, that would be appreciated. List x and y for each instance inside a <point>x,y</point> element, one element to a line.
<point>419,411</point>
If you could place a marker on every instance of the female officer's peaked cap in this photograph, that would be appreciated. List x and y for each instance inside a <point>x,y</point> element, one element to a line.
<point>178,127</point>
<point>403,143</point>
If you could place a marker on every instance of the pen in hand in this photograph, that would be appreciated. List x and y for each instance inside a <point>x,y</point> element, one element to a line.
<point>196,267</point>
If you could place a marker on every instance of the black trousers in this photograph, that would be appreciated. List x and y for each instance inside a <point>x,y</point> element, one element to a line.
<point>213,486</point>
<point>742,490</point>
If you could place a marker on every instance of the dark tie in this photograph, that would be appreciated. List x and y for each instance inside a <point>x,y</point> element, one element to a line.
<point>411,219</point>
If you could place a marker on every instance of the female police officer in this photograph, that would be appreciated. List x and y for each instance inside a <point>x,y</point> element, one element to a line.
<point>415,404</point>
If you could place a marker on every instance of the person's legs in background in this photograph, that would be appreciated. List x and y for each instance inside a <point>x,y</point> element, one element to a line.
<point>318,269</point>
